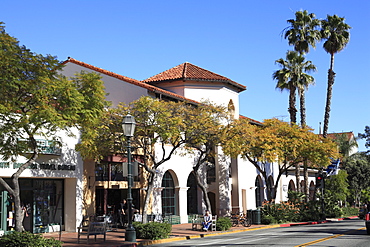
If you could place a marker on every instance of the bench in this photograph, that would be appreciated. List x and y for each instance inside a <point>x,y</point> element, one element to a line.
<point>93,229</point>
<point>196,222</point>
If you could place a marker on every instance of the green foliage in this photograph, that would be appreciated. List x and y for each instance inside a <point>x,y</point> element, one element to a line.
<point>358,168</point>
<point>350,211</point>
<point>336,187</point>
<point>223,224</point>
<point>152,230</point>
<point>280,212</point>
<point>27,239</point>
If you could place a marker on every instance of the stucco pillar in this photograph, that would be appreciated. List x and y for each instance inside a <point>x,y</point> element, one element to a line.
<point>182,203</point>
<point>157,200</point>
<point>223,204</point>
<point>70,204</point>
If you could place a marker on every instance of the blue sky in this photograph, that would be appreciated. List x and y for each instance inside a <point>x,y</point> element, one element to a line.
<point>238,39</point>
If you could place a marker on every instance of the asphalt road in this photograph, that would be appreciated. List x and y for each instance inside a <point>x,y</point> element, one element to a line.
<point>339,233</point>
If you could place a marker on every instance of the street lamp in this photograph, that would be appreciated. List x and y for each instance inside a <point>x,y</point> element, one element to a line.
<point>128,126</point>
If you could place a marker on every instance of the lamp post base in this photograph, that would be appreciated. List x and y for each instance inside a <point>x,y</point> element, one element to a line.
<point>130,235</point>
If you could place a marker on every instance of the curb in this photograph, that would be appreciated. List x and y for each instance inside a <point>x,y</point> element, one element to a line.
<point>166,240</point>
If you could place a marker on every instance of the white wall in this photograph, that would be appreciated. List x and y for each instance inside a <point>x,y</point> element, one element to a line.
<point>119,91</point>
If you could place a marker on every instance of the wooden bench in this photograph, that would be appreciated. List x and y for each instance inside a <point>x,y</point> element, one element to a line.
<point>93,229</point>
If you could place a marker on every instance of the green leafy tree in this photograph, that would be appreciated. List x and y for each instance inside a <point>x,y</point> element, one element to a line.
<point>366,136</point>
<point>36,101</point>
<point>358,170</point>
<point>280,142</point>
<point>159,133</point>
<point>335,32</point>
<point>205,125</point>
<point>336,192</point>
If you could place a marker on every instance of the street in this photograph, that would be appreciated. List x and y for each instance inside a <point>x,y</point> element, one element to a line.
<point>338,233</point>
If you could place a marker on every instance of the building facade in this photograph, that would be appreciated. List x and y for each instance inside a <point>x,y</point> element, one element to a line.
<point>61,187</point>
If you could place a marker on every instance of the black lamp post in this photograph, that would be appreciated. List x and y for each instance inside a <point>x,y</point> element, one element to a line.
<point>128,126</point>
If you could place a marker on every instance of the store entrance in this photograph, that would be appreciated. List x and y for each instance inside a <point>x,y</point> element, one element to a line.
<point>108,200</point>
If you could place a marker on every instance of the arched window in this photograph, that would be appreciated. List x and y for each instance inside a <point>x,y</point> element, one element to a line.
<point>258,192</point>
<point>192,194</point>
<point>168,195</point>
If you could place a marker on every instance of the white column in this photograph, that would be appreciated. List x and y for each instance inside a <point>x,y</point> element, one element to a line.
<point>182,203</point>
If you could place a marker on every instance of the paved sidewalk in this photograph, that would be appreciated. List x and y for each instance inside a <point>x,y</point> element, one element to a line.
<point>117,238</point>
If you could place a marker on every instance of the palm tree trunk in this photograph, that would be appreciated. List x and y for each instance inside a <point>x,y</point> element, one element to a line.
<point>302,99</point>
<point>292,109</point>
<point>331,76</point>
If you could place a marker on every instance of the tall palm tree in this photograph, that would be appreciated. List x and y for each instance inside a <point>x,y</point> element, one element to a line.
<point>302,33</point>
<point>336,33</point>
<point>290,77</point>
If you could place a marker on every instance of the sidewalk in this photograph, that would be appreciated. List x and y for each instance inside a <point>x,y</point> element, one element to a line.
<point>179,232</point>
<point>117,238</point>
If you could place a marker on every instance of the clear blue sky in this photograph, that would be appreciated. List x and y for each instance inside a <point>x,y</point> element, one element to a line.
<point>238,39</point>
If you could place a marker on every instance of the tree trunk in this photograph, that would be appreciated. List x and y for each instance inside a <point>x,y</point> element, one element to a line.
<point>297,177</point>
<point>331,77</point>
<point>292,109</point>
<point>149,191</point>
<point>204,191</point>
<point>302,99</point>
<point>306,187</point>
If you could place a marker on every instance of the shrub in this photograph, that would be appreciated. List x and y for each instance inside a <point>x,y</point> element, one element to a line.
<point>223,224</point>
<point>350,211</point>
<point>27,239</point>
<point>152,230</point>
<point>267,220</point>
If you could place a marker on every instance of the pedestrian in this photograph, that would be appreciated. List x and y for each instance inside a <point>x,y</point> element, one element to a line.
<point>207,220</point>
<point>122,212</point>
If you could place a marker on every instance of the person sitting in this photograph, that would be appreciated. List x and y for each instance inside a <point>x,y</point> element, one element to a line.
<point>207,220</point>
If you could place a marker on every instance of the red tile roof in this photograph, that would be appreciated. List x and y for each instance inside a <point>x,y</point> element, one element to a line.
<point>251,120</point>
<point>142,84</point>
<point>129,80</point>
<point>334,135</point>
<point>188,71</point>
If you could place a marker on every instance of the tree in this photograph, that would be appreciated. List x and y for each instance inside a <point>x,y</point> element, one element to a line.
<point>335,32</point>
<point>358,170</point>
<point>303,32</point>
<point>36,101</point>
<point>366,136</point>
<point>336,191</point>
<point>345,144</point>
<point>205,125</point>
<point>159,133</point>
<point>291,76</point>
<point>277,142</point>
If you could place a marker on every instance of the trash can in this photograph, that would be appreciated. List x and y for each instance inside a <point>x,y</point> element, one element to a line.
<point>255,216</point>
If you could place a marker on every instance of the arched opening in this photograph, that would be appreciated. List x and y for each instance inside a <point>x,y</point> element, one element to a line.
<point>270,182</point>
<point>258,191</point>
<point>192,194</point>
<point>212,200</point>
<point>291,186</point>
<point>312,191</point>
<point>168,195</point>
